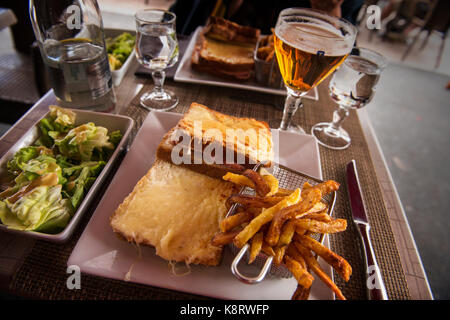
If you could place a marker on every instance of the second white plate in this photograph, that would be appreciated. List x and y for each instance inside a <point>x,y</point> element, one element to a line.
<point>185,73</point>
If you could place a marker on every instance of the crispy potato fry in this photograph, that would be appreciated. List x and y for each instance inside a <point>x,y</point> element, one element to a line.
<point>318,207</point>
<point>234,167</point>
<point>267,249</point>
<point>342,267</point>
<point>261,186</point>
<point>235,220</point>
<point>303,277</point>
<point>265,216</point>
<point>242,180</point>
<point>239,179</point>
<point>279,254</point>
<point>255,246</point>
<point>315,267</point>
<point>270,56</point>
<point>271,181</point>
<point>223,238</point>
<point>320,216</point>
<point>295,254</point>
<point>281,216</point>
<point>283,192</point>
<point>255,201</point>
<point>336,225</point>
<point>325,187</point>
<point>254,211</point>
<point>301,293</point>
<point>287,233</point>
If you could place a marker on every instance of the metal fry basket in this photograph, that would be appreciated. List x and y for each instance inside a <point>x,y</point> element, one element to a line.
<point>288,179</point>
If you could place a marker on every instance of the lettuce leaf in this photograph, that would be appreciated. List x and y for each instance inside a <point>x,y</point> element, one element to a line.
<point>80,142</point>
<point>21,157</point>
<point>41,209</point>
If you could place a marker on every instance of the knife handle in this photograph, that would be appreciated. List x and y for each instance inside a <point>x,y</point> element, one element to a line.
<point>374,281</point>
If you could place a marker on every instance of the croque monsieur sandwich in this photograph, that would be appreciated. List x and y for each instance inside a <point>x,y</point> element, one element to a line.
<point>178,208</point>
<point>226,49</point>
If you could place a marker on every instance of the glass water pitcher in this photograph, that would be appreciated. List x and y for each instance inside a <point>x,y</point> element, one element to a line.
<point>72,44</point>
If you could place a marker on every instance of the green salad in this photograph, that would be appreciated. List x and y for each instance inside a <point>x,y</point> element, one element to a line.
<point>51,177</point>
<point>119,49</point>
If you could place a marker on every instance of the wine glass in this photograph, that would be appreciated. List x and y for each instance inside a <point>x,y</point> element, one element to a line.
<point>309,46</point>
<point>157,49</point>
<point>352,87</point>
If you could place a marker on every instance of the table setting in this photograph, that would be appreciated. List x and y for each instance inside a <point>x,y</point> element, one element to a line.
<point>165,87</point>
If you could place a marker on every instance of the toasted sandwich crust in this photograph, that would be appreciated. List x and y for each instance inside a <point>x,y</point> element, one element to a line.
<point>225,49</point>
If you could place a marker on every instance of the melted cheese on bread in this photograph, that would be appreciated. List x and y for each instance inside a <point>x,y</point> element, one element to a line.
<point>177,211</point>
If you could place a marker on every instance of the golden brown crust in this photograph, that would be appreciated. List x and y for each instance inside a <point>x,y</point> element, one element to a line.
<point>227,30</point>
<point>164,150</point>
<point>225,49</point>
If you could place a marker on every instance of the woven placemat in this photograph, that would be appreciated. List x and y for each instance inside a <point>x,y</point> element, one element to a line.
<point>43,274</point>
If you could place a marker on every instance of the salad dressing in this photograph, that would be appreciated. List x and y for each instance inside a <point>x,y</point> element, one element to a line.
<point>49,180</point>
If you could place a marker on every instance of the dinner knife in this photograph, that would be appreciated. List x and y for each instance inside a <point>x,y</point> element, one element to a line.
<point>374,281</point>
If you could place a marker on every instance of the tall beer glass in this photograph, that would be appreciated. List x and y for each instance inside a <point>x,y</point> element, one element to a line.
<point>309,46</point>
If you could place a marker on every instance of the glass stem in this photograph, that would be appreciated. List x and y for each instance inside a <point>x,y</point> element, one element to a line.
<point>339,116</point>
<point>158,80</point>
<point>290,107</point>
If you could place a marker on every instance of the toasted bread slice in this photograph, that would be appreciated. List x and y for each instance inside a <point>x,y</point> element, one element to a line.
<point>217,139</point>
<point>177,211</point>
<point>228,31</point>
<point>225,49</point>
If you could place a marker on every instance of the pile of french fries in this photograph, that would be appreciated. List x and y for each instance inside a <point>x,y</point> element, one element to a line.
<point>266,49</point>
<point>279,223</point>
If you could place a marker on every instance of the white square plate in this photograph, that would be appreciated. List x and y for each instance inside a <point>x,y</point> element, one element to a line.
<point>99,252</point>
<point>185,73</point>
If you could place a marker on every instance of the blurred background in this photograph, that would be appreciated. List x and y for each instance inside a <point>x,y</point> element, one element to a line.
<point>410,112</point>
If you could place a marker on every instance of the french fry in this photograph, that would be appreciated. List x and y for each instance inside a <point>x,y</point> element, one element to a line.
<point>261,186</point>
<point>303,277</point>
<point>342,267</point>
<point>318,207</point>
<point>301,293</point>
<point>235,220</point>
<point>326,187</point>
<point>239,179</point>
<point>267,249</point>
<point>319,216</point>
<point>281,216</point>
<point>279,254</point>
<point>336,225</point>
<point>315,267</point>
<point>244,181</point>
<point>295,254</point>
<point>266,215</point>
<point>271,181</point>
<point>223,238</point>
<point>287,232</point>
<point>255,246</point>
<point>283,192</point>
<point>255,201</point>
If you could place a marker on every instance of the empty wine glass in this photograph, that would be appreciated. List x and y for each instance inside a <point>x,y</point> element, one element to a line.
<point>157,49</point>
<point>352,87</point>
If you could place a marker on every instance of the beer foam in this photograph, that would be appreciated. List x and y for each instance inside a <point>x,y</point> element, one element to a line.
<point>313,37</point>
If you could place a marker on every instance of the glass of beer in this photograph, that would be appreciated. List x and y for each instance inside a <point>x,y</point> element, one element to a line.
<point>352,87</point>
<point>309,46</point>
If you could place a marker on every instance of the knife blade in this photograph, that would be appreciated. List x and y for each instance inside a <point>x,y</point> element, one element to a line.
<point>374,281</point>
